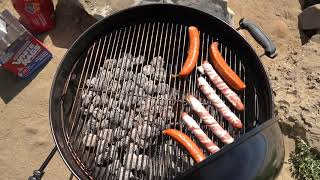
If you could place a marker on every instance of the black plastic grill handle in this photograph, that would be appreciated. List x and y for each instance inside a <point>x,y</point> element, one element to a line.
<point>261,37</point>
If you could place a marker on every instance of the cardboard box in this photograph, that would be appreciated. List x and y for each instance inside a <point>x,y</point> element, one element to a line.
<point>20,52</point>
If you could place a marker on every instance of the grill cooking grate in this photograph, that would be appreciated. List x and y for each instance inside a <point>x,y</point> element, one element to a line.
<point>163,157</point>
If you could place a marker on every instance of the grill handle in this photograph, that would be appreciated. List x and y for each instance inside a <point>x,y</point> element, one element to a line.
<point>261,37</point>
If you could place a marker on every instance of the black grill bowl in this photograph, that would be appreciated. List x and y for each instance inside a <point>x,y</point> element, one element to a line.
<point>258,151</point>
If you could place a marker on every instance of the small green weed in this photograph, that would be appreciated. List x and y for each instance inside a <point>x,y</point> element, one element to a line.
<point>305,162</point>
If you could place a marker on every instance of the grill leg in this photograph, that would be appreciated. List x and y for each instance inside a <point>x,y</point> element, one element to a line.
<point>37,174</point>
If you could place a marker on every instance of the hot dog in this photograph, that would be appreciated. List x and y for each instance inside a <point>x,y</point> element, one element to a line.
<point>218,103</point>
<point>232,97</point>
<point>209,120</point>
<point>197,131</point>
<point>187,143</point>
<point>193,52</point>
<point>230,77</point>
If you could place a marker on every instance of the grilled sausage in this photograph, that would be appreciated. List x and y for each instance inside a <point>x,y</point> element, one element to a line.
<point>218,103</point>
<point>209,120</point>
<point>193,52</point>
<point>232,97</point>
<point>231,78</point>
<point>197,131</point>
<point>187,143</point>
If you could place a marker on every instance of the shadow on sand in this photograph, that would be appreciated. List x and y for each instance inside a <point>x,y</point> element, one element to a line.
<point>71,21</point>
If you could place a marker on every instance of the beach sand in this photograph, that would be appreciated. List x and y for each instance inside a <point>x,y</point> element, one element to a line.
<point>25,135</point>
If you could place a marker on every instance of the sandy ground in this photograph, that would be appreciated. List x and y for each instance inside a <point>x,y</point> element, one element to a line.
<point>294,73</point>
<point>25,137</point>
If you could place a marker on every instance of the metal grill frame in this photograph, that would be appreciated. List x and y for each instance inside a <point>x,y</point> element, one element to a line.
<point>195,17</point>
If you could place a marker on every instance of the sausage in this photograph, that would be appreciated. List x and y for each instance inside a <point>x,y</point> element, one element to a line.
<point>230,77</point>
<point>209,120</point>
<point>193,52</point>
<point>232,97</point>
<point>197,131</point>
<point>218,103</point>
<point>187,143</point>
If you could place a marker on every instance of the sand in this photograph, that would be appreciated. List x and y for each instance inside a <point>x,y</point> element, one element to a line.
<point>294,73</point>
<point>25,137</point>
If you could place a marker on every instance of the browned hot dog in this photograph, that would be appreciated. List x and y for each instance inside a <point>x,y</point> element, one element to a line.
<point>187,143</point>
<point>193,52</point>
<point>230,77</point>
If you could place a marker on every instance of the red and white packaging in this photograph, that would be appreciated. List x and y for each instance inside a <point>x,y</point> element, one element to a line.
<point>20,52</point>
<point>37,15</point>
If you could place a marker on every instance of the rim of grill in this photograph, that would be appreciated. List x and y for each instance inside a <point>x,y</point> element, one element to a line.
<point>172,42</point>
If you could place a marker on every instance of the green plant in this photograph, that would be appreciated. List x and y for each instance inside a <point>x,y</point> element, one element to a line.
<point>305,162</point>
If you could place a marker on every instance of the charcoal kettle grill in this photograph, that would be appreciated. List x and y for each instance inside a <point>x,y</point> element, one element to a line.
<point>161,30</point>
